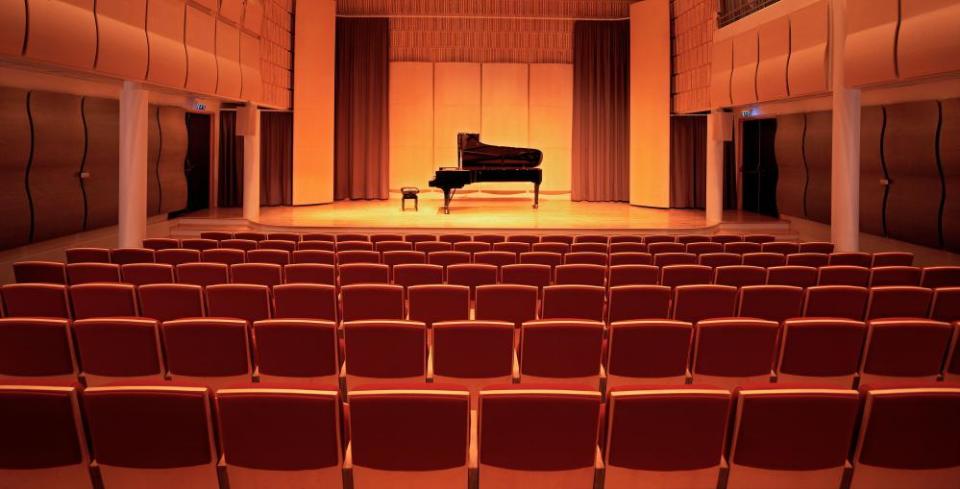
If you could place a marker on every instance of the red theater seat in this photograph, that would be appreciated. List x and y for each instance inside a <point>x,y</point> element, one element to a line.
<point>935,277</point>
<point>454,238</point>
<point>739,275</point>
<point>226,256</point>
<point>165,302</point>
<point>805,259</point>
<point>551,247</point>
<point>490,238</point>
<point>630,258</point>
<point>394,258</point>
<point>630,302</point>
<point>43,443</point>
<point>851,259</point>
<point>387,246</point>
<point>310,273</point>
<point>371,301</point>
<point>665,259</point>
<point>357,256</point>
<point>36,351</point>
<point>555,350</point>
<point>203,274</point>
<point>364,273</point>
<point>418,237</point>
<point>472,275</point>
<point>515,247</point>
<point>649,352</point>
<point>330,238</point>
<point>816,247</point>
<point>892,259</point>
<point>281,437</point>
<point>899,302</point>
<point>627,246</point>
<point>538,437</point>
<point>241,301</point>
<point>85,273</point>
<point>208,351</point>
<point>119,350</point>
<point>296,352</point>
<point>317,246</point>
<point>696,238</point>
<point>844,275</point>
<point>533,274</point>
<point>793,275</point>
<point>946,304</point>
<point>157,244</point>
<point>473,354</point>
<point>432,246</point>
<point>447,258</point>
<point>909,438</point>
<point>666,437</point>
<point>251,235</point>
<point>657,247</point>
<point>792,438</point>
<point>759,238</point>
<point>548,238</point>
<point>904,349</point>
<point>780,247</point>
<point>590,247</point>
<point>433,303</point>
<point>634,275</point>
<point>382,237</point>
<point>693,303</point>
<point>103,300</point>
<point>410,274</point>
<point>771,302</point>
<point>216,235</point>
<point>836,301</point>
<point>700,248</point>
<point>742,247</point>
<point>273,257</point>
<point>314,256</point>
<point>305,301</point>
<point>541,258</point>
<point>677,275</point>
<point>895,275</point>
<point>295,237</point>
<point>733,352</point>
<point>658,238</point>
<point>268,274</point>
<point>498,258</point>
<point>384,351</point>
<point>152,437</point>
<point>590,238</point>
<point>177,256</point>
<point>122,256</point>
<point>581,274</point>
<point>87,255</point>
<point>719,259</point>
<point>415,437</point>
<point>584,257</point>
<point>471,246</point>
<point>765,260</point>
<point>573,302</point>
<point>354,246</point>
<point>726,238</point>
<point>821,351</point>
<point>36,300</point>
<point>512,303</point>
<point>39,272</point>
<point>276,244</point>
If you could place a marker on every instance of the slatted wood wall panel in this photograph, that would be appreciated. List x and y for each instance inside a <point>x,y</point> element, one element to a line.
<point>694,23</point>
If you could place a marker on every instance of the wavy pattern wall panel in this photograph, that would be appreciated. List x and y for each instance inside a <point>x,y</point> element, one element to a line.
<point>551,122</point>
<point>15,141</point>
<point>54,170</point>
<point>743,81</point>
<point>228,60</point>
<point>173,154</point>
<point>62,32</point>
<point>910,152</point>
<point>870,55</point>
<point>809,32</point>
<point>791,168</point>
<point>200,39</point>
<point>456,99</point>
<point>720,71</point>
<point>253,16</point>
<point>816,150</point>
<point>929,41</point>
<point>168,60</point>
<point>122,38</point>
<point>13,27</point>
<point>950,162</point>
<point>101,162</point>
<point>774,41</point>
<point>872,173</point>
<point>251,86</point>
<point>153,161</point>
<point>231,10</point>
<point>411,124</point>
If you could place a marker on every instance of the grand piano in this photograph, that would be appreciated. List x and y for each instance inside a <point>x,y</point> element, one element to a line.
<point>478,162</point>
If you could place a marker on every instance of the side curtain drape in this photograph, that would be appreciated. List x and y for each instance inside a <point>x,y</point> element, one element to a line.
<point>276,158</point>
<point>230,173</point>
<point>688,162</point>
<point>601,121</point>
<point>361,150</point>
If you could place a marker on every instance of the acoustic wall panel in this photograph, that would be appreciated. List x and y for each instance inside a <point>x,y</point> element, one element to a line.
<point>231,10</point>
<point>62,32</point>
<point>910,153</point>
<point>551,122</point>
<point>173,155</point>
<point>774,43</point>
<point>200,40</point>
<point>122,38</point>
<point>791,167</point>
<point>928,42</point>
<point>101,162</point>
<point>54,182</point>
<point>253,16</point>
<point>807,72</point>
<point>411,124</point>
<point>456,98</point>
<point>207,5</point>
<point>720,72</point>
<point>167,59</point>
<point>251,86</point>
<point>950,163</point>
<point>504,111</point>
<point>873,176</point>
<point>743,81</point>
<point>871,44</point>
<point>228,60</point>
<point>816,149</point>
<point>15,141</point>
<point>13,27</point>
<point>153,161</point>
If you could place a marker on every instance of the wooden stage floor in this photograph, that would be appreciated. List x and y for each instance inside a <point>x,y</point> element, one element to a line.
<point>488,214</point>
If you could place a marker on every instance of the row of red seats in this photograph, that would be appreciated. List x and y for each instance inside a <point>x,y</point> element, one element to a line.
<point>503,302</point>
<point>535,437</point>
<point>731,352</point>
<point>491,238</point>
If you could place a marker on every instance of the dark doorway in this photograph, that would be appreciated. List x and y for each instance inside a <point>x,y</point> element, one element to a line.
<point>760,167</point>
<point>197,165</point>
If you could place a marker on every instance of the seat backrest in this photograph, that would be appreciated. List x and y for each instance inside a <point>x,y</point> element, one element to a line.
<point>548,238</point>
<point>795,275</point>
<point>693,303</point>
<point>534,274</point>
<point>590,247</point>
<point>665,259</point>
<point>541,258</point>
<point>764,259</point>
<point>742,247</point>
<point>630,258</point>
<point>844,275</point>
<point>447,258</point>
<point>418,237</point>
<point>268,274</point>
<point>36,300</point>
<point>471,246</point>
<point>177,256</point>
<point>719,259</point>
<point>343,246</point>
<point>119,347</point>
<point>512,303</point>
<point>385,246</point>
<point>936,277</point>
<point>148,273</point>
<point>393,258</point>
<point>328,237</point>
<point>371,301</point>
<point>364,273</point>
<point>249,302</point>
<point>561,248</point>
<point>454,238</point>
<point>103,300</point>
<point>629,302</point>
<point>490,238</point>
<point>199,244</point>
<point>649,348</point>
<point>251,235</point>
<point>305,301</point>
<point>806,259</point>
<point>561,349</point>
<point>741,347</point>
<point>892,259</point>
<point>634,275</point>
<point>759,238</point>
<point>85,273</point>
<point>582,274</point>
<point>657,247</point>
<point>216,235</point>
<point>853,259</point>
<point>770,302</point>
<point>42,430</point>
<point>206,347</point>
<point>658,238</point>
<point>296,348</point>
<point>39,272</point>
<point>409,274</point>
<point>498,258</point>
<point>676,275</point>
<point>473,349</point>
<point>342,237</point>
<point>317,246</point>
<point>310,273</point>
<point>440,302</point>
<point>164,302</point>
<point>278,244</point>
<point>295,237</point>
<point>34,348</point>
<point>591,238</point>
<point>726,238</point>
<point>781,247</point>
<point>314,256</point>
<point>946,304</point>
<point>226,256</point>
<point>357,256</point>
<point>122,256</point>
<point>385,349</point>
<point>895,275</point>
<point>584,257</point>
<point>804,352</point>
<point>816,247</point>
<point>203,274</point>
<point>272,256</point>
<point>515,247</point>
<point>906,348</point>
<point>573,302</point>
<point>432,246</point>
<point>840,301</point>
<point>472,275</point>
<point>701,248</point>
<point>87,255</point>
<point>739,275</point>
<point>899,302</point>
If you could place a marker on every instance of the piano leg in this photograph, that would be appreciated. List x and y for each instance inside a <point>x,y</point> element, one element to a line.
<point>446,200</point>
<point>536,196</point>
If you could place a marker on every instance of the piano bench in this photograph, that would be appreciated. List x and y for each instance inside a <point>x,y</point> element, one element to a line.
<point>409,193</point>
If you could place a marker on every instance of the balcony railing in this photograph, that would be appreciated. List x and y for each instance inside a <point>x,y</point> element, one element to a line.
<point>733,10</point>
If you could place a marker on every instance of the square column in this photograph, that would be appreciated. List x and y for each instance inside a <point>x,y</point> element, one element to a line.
<point>845,154</point>
<point>132,194</point>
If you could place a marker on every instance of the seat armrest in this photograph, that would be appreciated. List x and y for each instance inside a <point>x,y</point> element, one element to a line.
<point>473,455</point>
<point>222,462</point>
<point>430,363</point>
<point>516,368</point>
<point>348,457</point>
<point>598,460</point>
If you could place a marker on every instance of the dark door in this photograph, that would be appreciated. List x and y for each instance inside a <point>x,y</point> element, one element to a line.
<point>760,167</point>
<point>197,165</point>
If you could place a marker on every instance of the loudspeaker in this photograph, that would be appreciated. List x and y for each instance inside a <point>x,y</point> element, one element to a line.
<point>247,120</point>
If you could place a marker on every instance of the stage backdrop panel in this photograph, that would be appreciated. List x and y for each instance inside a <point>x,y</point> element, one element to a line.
<point>551,122</point>
<point>505,113</point>
<point>456,98</point>
<point>411,125</point>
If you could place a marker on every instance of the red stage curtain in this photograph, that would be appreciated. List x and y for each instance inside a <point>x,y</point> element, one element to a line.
<point>688,162</point>
<point>601,104</point>
<point>230,168</point>
<point>362,124</point>
<point>276,158</point>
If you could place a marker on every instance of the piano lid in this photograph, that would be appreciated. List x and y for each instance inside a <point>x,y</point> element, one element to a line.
<point>475,155</point>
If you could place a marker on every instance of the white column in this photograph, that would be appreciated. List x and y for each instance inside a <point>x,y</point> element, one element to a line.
<point>845,173</point>
<point>714,168</point>
<point>250,117</point>
<point>134,111</point>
